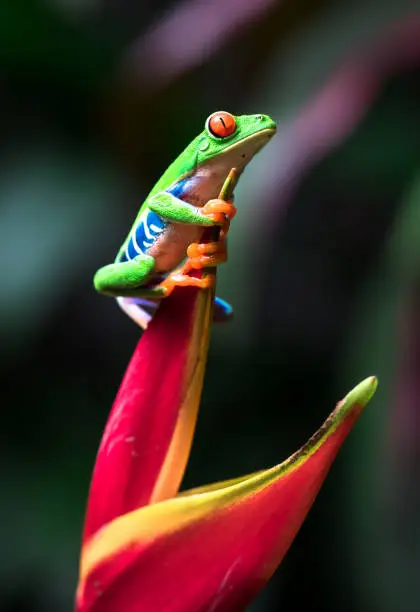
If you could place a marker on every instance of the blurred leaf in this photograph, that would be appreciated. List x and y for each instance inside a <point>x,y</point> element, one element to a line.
<point>53,209</point>
<point>33,37</point>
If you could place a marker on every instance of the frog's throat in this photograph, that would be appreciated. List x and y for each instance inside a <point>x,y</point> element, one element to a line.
<point>247,147</point>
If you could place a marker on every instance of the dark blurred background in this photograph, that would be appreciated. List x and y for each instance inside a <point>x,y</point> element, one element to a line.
<point>97,97</point>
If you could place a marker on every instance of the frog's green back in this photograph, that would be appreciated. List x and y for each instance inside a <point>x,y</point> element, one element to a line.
<point>183,165</point>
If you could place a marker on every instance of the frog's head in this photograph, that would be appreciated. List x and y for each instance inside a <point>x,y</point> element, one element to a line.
<point>232,141</point>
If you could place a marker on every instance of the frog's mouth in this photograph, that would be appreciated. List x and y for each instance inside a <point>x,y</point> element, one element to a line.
<point>253,143</point>
<point>244,150</point>
<point>239,154</point>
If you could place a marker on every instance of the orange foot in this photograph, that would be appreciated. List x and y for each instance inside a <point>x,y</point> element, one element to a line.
<point>219,210</point>
<point>206,255</point>
<point>180,279</point>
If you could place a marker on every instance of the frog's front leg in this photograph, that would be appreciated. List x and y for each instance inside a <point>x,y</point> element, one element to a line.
<point>214,213</point>
<point>128,278</point>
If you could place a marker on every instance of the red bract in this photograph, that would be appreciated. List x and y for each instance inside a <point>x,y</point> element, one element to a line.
<point>147,439</point>
<point>211,549</point>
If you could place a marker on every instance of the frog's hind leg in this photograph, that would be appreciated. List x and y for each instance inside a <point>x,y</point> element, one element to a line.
<point>127,278</point>
<point>140,310</point>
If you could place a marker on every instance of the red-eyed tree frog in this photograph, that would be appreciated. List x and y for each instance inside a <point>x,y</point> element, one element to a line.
<point>171,220</point>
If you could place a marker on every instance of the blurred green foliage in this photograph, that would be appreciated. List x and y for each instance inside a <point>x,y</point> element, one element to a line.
<point>323,258</point>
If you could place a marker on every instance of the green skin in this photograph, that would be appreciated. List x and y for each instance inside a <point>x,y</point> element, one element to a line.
<point>206,163</point>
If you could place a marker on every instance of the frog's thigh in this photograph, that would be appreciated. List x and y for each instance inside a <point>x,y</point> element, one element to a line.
<point>119,278</point>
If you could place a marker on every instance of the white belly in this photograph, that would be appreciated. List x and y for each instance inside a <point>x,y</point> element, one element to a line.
<point>170,249</point>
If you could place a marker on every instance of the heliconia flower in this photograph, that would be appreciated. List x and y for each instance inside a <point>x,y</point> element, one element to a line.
<point>147,547</point>
<point>146,443</point>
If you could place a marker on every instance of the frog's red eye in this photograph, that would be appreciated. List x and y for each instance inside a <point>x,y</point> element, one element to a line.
<point>221,124</point>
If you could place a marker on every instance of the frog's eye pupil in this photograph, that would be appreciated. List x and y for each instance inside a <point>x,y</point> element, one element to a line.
<point>221,124</point>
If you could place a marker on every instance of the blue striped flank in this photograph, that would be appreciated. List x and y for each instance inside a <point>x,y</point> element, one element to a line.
<point>180,188</point>
<point>151,225</point>
<point>144,234</point>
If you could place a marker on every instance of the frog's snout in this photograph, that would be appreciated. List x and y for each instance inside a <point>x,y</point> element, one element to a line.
<point>267,123</point>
